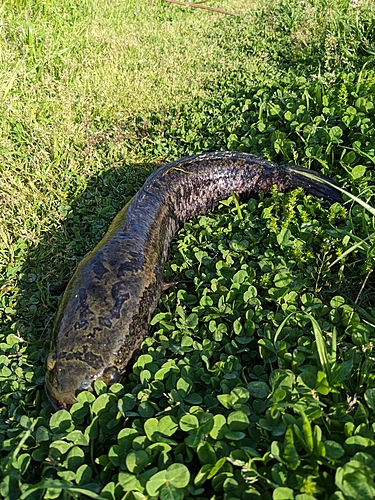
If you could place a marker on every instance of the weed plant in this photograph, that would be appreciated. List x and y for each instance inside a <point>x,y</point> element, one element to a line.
<point>258,377</point>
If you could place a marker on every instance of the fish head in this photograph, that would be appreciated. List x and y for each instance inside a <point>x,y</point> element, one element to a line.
<point>61,391</point>
<point>101,322</point>
<point>65,379</point>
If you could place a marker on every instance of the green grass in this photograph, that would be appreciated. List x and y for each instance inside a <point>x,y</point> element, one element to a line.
<point>258,377</point>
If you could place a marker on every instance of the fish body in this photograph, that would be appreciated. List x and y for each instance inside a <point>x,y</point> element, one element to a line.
<point>107,305</point>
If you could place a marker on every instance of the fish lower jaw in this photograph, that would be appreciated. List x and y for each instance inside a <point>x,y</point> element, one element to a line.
<point>59,400</point>
<point>56,404</point>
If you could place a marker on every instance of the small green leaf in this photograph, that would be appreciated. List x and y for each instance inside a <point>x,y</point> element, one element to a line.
<point>75,458</point>
<point>337,301</point>
<point>335,133</point>
<point>151,426</point>
<point>85,397</point>
<point>103,403</point>
<point>78,438</point>
<point>178,475</point>
<point>83,474</point>
<point>188,423</point>
<point>283,239</point>
<point>291,457</point>
<point>136,461</point>
<point>370,398</point>
<point>61,421</point>
<point>238,421</point>
<point>217,467</point>
<point>61,447</point>
<point>225,400</point>
<point>129,482</point>
<point>169,492</point>
<point>219,428</point>
<point>283,493</point>
<point>259,389</point>
<point>202,475</point>
<point>235,435</point>
<point>307,432</point>
<point>127,403</point>
<point>206,453</point>
<point>334,450</point>
<point>358,171</point>
<point>125,437</point>
<point>42,434</point>
<point>167,425</point>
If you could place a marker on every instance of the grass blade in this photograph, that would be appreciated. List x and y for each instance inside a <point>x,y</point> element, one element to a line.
<point>320,345</point>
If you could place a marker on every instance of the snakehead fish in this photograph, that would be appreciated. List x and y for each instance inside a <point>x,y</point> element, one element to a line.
<point>107,305</point>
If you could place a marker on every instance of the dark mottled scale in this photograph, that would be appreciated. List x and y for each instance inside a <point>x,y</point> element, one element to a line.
<point>107,305</point>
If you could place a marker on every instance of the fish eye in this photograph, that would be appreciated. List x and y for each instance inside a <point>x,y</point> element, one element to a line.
<point>51,361</point>
<point>111,375</point>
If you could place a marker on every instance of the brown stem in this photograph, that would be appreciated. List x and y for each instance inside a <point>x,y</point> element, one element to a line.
<point>363,286</point>
<point>197,5</point>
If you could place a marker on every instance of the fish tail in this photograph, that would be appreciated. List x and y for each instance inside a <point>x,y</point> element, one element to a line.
<point>315,183</point>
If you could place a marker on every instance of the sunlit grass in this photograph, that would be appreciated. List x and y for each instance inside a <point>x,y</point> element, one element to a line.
<point>270,331</point>
<point>71,76</point>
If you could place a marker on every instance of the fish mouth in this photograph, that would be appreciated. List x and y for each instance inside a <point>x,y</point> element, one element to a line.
<point>56,404</point>
<point>63,399</point>
<point>59,397</point>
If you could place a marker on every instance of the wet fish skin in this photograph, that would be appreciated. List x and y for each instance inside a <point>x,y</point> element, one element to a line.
<point>107,305</point>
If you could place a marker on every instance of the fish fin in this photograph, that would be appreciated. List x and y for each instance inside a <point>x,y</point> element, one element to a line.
<point>58,289</point>
<point>313,182</point>
<point>166,286</point>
